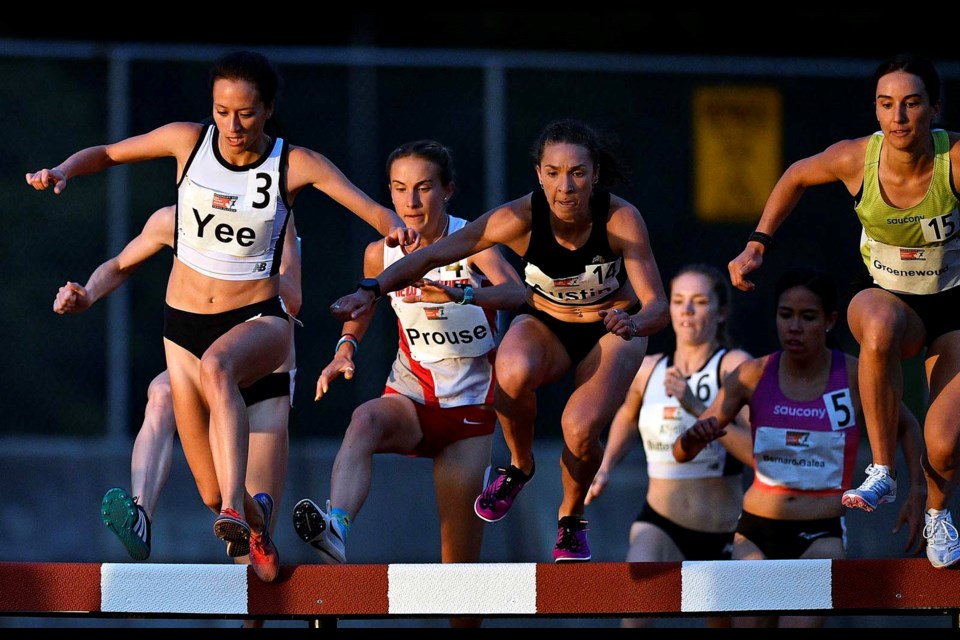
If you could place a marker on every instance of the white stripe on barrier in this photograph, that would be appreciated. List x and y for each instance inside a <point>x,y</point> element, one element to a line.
<point>751,585</point>
<point>173,588</point>
<point>462,588</point>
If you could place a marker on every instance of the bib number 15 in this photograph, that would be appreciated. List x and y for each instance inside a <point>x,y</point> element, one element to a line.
<point>940,228</point>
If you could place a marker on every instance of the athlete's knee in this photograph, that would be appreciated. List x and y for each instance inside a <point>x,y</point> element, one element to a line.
<point>366,423</point>
<point>936,471</point>
<point>941,454</point>
<point>515,374</point>
<point>159,399</point>
<point>159,388</point>
<point>216,371</point>
<point>881,329</point>
<point>880,340</point>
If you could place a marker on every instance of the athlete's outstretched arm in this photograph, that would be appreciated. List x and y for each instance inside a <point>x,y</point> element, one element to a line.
<point>174,139</point>
<point>343,358</point>
<point>157,233</point>
<point>718,421</point>
<point>623,430</point>
<point>840,162</point>
<point>499,226</point>
<point>507,293</point>
<point>307,167</point>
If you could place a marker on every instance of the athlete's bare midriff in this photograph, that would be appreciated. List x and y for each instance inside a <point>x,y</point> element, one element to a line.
<point>624,299</point>
<point>191,291</point>
<point>779,506</point>
<point>701,504</point>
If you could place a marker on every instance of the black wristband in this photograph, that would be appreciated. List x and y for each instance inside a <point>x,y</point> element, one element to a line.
<point>763,238</point>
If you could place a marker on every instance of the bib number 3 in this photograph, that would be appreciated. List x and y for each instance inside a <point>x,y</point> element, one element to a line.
<point>261,188</point>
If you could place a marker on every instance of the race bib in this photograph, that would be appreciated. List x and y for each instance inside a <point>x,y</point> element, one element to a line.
<point>839,405</point>
<point>915,270</point>
<point>440,331</point>
<point>595,283</point>
<point>234,224</point>
<point>798,459</point>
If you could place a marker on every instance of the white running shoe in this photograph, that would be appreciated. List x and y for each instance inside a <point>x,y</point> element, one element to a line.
<point>320,531</point>
<point>879,488</point>
<point>943,546</point>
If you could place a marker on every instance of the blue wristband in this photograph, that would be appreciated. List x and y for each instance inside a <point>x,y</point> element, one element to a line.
<point>346,338</point>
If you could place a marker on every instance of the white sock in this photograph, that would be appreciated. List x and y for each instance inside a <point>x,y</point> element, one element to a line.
<point>886,469</point>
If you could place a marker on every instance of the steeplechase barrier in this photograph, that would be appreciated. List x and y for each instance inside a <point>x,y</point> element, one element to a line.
<point>321,595</point>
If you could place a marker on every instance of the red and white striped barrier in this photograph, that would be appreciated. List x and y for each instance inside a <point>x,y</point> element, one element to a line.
<point>589,589</point>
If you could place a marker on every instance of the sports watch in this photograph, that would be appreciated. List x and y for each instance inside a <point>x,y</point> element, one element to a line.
<point>371,285</point>
<point>467,295</point>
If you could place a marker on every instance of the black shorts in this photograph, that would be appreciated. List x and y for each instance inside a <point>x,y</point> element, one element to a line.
<point>694,545</point>
<point>272,385</point>
<point>195,332</point>
<point>936,310</point>
<point>577,338</point>
<point>788,539</point>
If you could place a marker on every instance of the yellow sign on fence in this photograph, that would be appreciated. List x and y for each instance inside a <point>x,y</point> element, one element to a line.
<point>738,133</point>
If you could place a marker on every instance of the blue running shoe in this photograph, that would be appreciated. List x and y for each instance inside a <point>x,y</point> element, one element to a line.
<point>128,521</point>
<point>266,504</point>
<point>879,488</point>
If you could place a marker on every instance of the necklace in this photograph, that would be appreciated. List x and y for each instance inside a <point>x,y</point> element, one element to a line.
<point>405,251</point>
<point>444,232</point>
